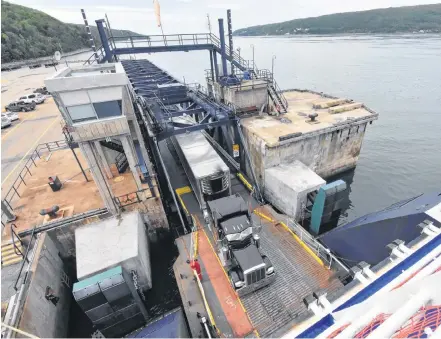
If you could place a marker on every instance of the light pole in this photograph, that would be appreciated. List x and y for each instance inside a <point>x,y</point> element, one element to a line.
<point>252,46</point>
<point>272,67</point>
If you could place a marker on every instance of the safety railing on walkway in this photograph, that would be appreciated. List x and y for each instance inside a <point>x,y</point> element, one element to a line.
<point>161,40</point>
<point>93,59</point>
<point>321,251</point>
<point>308,242</point>
<point>179,40</point>
<point>16,238</point>
<point>25,256</point>
<point>262,74</point>
<point>14,190</point>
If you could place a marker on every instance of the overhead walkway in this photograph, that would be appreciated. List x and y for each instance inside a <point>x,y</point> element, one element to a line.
<point>113,47</point>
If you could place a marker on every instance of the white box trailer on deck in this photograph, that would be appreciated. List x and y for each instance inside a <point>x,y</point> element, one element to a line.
<point>208,174</point>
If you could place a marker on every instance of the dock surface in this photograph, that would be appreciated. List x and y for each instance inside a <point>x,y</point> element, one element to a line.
<point>300,104</point>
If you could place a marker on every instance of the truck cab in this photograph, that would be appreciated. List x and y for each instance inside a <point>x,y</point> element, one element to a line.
<point>239,245</point>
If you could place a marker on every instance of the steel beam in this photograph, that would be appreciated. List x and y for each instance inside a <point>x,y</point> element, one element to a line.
<point>193,128</point>
<point>214,111</point>
<point>188,112</point>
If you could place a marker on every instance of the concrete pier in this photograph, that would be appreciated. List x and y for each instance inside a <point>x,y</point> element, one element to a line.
<point>328,144</point>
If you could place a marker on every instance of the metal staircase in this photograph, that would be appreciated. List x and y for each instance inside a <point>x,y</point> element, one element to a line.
<point>113,146</point>
<point>121,161</point>
<point>277,97</point>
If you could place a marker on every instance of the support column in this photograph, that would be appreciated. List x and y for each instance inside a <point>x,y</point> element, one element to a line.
<point>98,177</point>
<point>211,64</point>
<point>216,67</point>
<point>104,41</point>
<point>223,47</point>
<point>230,38</point>
<point>129,150</point>
<point>145,155</point>
<point>103,160</point>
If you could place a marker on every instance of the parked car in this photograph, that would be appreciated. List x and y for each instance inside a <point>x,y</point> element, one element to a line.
<point>11,115</point>
<point>5,121</point>
<point>20,106</point>
<point>42,90</point>
<point>38,98</point>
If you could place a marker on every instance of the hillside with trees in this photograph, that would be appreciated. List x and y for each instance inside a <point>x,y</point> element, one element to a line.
<point>28,33</point>
<point>409,19</point>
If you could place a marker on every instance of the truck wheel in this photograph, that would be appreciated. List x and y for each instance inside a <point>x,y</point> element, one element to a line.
<point>233,278</point>
<point>232,283</point>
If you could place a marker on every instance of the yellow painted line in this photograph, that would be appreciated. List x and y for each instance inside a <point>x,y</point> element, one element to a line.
<point>183,205</point>
<point>32,115</point>
<point>31,149</point>
<point>305,247</point>
<point>183,190</point>
<point>207,307</point>
<point>195,236</point>
<point>245,181</point>
<point>226,275</point>
<point>20,331</point>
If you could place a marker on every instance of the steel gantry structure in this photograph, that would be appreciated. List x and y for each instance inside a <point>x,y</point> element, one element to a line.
<point>159,98</point>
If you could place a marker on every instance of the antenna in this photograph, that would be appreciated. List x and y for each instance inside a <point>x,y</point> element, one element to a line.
<point>89,33</point>
<point>209,23</point>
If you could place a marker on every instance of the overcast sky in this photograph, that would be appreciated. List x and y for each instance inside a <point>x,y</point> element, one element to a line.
<point>189,16</point>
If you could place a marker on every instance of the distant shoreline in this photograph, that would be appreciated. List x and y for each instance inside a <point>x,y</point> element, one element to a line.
<point>30,62</point>
<point>340,34</point>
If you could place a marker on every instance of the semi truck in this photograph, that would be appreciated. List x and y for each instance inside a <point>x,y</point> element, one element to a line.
<point>238,241</point>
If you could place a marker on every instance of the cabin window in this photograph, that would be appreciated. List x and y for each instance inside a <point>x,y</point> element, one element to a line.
<point>108,109</point>
<point>81,113</point>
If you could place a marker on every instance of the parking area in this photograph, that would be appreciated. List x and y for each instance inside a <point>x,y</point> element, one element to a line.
<point>38,126</point>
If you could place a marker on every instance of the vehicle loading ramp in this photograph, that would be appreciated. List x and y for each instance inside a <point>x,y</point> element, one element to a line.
<point>298,275</point>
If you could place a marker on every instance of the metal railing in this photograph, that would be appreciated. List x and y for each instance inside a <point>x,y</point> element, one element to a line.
<point>25,256</point>
<point>262,74</point>
<point>92,59</point>
<point>161,40</point>
<point>133,198</point>
<point>15,237</point>
<point>179,40</point>
<point>121,161</point>
<point>321,251</point>
<point>19,182</point>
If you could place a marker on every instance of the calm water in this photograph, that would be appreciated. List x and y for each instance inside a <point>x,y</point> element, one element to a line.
<point>397,76</point>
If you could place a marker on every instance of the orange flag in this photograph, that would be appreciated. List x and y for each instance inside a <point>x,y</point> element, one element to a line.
<point>157,12</point>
